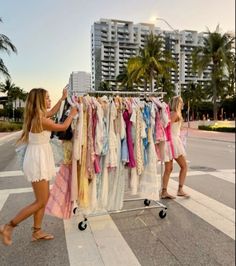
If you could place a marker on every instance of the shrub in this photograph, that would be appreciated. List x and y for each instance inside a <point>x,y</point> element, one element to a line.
<point>8,126</point>
<point>220,129</point>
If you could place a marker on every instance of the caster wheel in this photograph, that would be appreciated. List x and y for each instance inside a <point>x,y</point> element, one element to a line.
<point>82,226</point>
<point>74,210</point>
<point>147,202</point>
<point>162,214</point>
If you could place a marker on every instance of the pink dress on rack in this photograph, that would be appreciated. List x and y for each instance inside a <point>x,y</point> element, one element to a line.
<point>59,203</point>
<point>130,144</point>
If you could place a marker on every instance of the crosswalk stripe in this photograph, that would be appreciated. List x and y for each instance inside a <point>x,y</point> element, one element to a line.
<point>215,213</point>
<point>224,174</point>
<point>227,174</point>
<point>11,173</point>
<point>100,244</point>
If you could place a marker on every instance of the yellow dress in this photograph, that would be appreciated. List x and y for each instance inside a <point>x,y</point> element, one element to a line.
<point>83,182</point>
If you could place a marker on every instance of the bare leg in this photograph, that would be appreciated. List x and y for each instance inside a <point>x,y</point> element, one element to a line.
<point>182,175</point>
<point>41,189</point>
<point>40,194</point>
<point>166,177</point>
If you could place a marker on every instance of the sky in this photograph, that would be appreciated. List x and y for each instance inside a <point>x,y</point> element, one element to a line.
<point>53,36</point>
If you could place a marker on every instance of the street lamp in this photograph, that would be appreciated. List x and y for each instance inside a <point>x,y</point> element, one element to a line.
<point>178,84</point>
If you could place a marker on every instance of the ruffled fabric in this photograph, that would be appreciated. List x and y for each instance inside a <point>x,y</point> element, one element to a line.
<point>59,203</point>
<point>38,161</point>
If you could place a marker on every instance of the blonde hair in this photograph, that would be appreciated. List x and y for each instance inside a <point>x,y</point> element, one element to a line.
<point>176,105</point>
<point>35,109</point>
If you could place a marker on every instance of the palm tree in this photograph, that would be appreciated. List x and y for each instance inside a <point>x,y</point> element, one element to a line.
<point>194,94</point>
<point>104,86</point>
<point>151,61</point>
<point>217,51</point>
<point>8,88</point>
<point>5,46</point>
<point>125,80</point>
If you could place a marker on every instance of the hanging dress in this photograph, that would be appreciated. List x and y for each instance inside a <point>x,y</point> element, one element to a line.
<point>150,181</point>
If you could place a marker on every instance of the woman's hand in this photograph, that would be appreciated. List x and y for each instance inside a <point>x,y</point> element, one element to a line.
<point>64,93</point>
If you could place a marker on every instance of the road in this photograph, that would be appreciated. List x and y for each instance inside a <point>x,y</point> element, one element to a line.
<point>196,231</point>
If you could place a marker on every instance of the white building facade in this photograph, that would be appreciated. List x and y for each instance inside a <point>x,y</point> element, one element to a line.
<point>113,42</point>
<point>80,81</point>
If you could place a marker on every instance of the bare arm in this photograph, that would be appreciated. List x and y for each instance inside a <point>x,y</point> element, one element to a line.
<point>57,106</point>
<point>55,109</point>
<point>50,125</point>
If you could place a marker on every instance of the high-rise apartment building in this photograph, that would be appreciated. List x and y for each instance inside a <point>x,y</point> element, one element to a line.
<point>80,81</point>
<point>113,42</point>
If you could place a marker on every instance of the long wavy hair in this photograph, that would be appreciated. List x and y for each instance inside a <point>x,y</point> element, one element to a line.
<point>176,104</point>
<point>35,110</point>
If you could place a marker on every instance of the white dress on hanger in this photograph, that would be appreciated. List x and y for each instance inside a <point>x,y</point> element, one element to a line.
<point>150,181</point>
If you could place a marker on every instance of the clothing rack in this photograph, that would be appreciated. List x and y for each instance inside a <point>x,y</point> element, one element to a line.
<point>139,93</point>
<point>147,203</point>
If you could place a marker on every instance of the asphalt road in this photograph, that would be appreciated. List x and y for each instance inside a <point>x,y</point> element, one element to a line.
<point>197,231</point>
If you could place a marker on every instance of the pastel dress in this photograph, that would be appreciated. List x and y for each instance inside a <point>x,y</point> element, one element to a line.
<point>176,140</point>
<point>150,181</point>
<point>38,161</point>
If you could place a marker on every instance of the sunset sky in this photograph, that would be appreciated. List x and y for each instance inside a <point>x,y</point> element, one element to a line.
<point>53,36</point>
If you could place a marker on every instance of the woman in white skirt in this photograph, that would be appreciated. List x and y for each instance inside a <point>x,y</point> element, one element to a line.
<point>178,152</point>
<point>38,165</point>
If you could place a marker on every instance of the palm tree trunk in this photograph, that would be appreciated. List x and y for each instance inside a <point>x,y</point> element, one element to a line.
<point>214,99</point>
<point>151,81</point>
<point>145,85</point>
<point>188,114</point>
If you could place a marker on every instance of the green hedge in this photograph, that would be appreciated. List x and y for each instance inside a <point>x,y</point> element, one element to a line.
<point>8,126</point>
<point>220,129</point>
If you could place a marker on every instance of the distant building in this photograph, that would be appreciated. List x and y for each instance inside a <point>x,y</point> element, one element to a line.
<point>113,42</point>
<point>18,103</point>
<point>80,81</point>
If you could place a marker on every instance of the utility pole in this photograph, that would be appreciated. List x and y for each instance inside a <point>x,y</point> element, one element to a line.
<point>178,84</point>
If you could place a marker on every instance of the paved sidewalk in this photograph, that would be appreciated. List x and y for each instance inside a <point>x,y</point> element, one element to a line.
<point>211,135</point>
<point>5,136</point>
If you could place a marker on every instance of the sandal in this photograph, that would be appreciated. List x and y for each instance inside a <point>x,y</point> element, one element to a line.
<point>38,234</point>
<point>6,237</point>
<point>181,193</point>
<point>165,195</point>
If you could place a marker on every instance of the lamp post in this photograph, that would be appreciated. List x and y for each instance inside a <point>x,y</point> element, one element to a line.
<point>178,84</point>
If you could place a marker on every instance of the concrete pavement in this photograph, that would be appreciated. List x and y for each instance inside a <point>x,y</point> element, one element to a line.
<point>198,231</point>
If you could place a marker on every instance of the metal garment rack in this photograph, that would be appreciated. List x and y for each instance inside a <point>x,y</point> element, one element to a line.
<point>138,93</point>
<point>156,204</point>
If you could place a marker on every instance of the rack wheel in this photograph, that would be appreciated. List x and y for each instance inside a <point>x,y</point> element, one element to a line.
<point>82,226</point>
<point>74,210</point>
<point>162,214</point>
<point>147,202</point>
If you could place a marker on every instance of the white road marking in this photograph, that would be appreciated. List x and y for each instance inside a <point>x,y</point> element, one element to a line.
<point>215,213</point>
<point>81,246</point>
<point>15,173</point>
<point>102,244</point>
<point>225,174</point>
<point>11,173</point>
